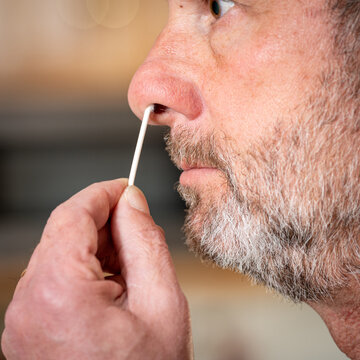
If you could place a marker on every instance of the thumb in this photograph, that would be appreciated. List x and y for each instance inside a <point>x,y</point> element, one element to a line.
<point>145,261</point>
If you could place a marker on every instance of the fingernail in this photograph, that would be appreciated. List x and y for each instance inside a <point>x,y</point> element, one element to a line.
<point>136,199</point>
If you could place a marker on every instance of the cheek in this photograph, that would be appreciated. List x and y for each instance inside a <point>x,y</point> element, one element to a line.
<point>246,49</point>
<point>265,67</point>
<point>235,29</point>
<point>260,75</point>
<point>244,84</point>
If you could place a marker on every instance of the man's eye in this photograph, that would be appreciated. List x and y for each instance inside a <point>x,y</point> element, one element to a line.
<point>220,7</point>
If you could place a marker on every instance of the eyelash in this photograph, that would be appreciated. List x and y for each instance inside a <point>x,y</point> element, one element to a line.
<point>207,4</point>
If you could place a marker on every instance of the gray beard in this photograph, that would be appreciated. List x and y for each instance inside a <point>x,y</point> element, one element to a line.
<point>290,217</point>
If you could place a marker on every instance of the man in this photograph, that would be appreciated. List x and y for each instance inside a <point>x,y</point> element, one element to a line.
<point>262,101</point>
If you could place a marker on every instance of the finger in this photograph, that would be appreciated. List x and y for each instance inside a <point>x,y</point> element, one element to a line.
<point>118,279</point>
<point>106,252</point>
<point>98,200</point>
<point>142,249</point>
<point>71,234</point>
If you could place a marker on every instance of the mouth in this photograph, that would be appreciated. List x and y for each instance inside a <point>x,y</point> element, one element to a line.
<point>196,173</point>
<point>187,167</point>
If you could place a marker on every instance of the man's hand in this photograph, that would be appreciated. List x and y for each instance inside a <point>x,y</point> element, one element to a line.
<point>64,308</point>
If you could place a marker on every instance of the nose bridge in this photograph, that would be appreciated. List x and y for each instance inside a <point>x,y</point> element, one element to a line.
<point>166,77</point>
<point>175,41</point>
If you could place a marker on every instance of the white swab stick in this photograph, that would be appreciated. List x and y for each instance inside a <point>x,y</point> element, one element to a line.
<point>139,144</point>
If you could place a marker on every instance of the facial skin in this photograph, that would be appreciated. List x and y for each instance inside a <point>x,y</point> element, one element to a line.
<point>250,96</point>
<point>264,119</point>
<point>264,124</point>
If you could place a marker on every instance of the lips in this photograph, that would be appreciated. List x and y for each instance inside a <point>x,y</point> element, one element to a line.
<point>187,167</point>
<point>197,174</point>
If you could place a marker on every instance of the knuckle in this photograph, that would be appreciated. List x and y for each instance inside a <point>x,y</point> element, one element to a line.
<point>98,190</point>
<point>57,212</point>
<point>65,216</point>
<point>151,244</point>
<point>154,238</point>
<point>61,215</point>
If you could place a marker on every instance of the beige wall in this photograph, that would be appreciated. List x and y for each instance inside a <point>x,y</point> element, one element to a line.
<point>75,47</point>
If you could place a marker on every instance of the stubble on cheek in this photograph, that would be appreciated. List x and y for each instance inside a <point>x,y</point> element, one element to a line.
<point>276,214</point>
<point>211,150</point>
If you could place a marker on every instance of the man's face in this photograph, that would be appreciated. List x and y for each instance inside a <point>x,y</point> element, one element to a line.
<point>248,96</point>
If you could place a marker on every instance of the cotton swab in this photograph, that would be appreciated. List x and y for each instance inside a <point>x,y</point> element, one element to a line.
<point>139,144</point>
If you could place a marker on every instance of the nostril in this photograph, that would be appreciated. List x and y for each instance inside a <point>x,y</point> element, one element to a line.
<point>159,109</point>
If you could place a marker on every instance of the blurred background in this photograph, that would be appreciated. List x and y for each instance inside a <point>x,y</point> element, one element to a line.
<point>65,66</point>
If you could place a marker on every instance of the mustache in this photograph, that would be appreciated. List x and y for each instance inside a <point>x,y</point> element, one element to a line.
<point>186,146</point>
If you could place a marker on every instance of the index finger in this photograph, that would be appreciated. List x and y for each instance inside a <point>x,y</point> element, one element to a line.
<point>72,228</point>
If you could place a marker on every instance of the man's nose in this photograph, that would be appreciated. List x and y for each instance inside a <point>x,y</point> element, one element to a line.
<point>167,79</point>
<point>156,83</point>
